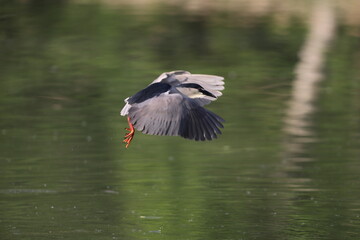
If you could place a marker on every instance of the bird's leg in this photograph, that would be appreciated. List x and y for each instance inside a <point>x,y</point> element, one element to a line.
<point>129,136</point>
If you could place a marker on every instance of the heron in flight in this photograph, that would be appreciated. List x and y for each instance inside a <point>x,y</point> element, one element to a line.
<point>172,105</point>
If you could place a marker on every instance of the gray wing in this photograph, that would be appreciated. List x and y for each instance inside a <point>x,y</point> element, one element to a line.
<point>174,115</point>
<point>213,84</point>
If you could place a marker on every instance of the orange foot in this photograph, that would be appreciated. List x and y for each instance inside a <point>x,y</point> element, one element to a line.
<point>129,136</point>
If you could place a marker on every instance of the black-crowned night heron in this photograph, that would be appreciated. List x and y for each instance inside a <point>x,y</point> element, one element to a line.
<point>172,105</point>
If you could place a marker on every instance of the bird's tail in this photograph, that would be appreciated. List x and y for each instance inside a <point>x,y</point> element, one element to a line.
<point>125,110</point>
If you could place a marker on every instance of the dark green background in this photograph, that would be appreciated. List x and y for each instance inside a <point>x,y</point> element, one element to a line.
<point>65,69</point>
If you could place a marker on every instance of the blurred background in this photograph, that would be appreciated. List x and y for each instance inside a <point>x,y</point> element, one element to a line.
<point>286,166</point>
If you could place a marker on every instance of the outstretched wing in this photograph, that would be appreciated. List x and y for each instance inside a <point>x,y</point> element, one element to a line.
<point>157,116</point>
<point>173,115</point>
<point>199,123</point>
<point>211,83</point>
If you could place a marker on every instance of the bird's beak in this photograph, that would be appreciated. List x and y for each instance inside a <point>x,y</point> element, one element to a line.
<point>207,93</point>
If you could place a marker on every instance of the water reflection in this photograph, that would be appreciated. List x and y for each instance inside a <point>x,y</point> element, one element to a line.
<point>309,71</point>
<point>299,128</point>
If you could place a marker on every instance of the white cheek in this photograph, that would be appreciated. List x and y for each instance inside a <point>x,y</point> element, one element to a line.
<point>196,95</point>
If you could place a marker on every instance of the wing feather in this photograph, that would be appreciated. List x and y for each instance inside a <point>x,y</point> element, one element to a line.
<point>200,124</point>
<point>173,115</point>
<point>203,124</point>
<point>157,116</point>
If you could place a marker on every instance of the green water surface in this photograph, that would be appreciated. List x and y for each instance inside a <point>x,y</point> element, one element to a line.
<point>65,69</point>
